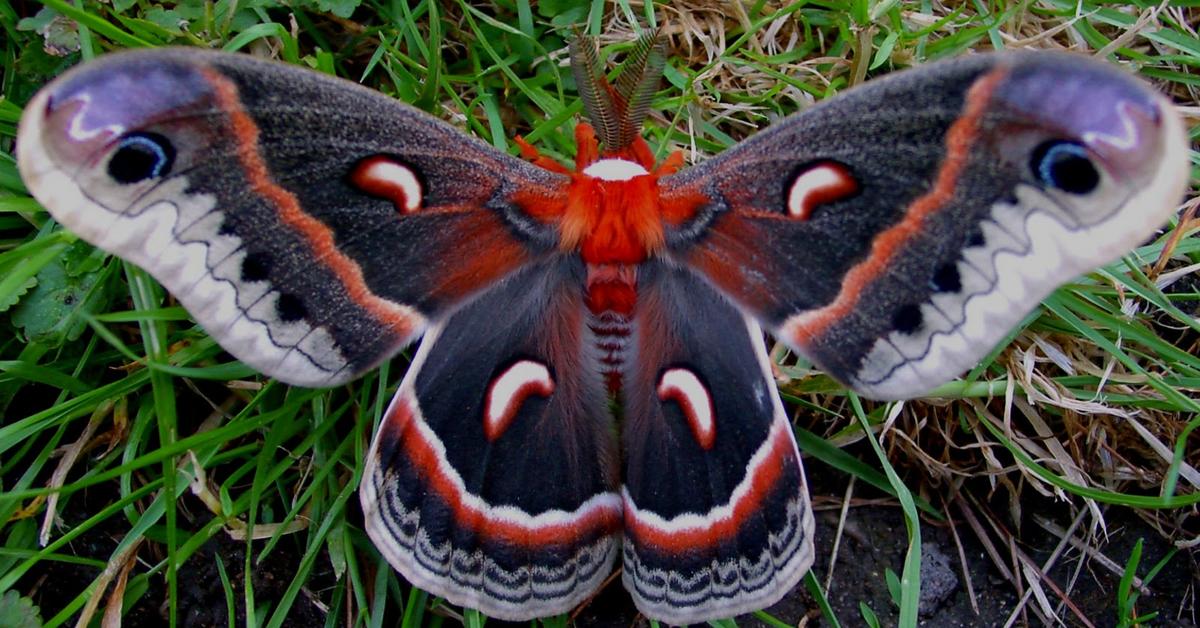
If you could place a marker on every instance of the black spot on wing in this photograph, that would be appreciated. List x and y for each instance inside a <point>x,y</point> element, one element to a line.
<point>907,319</point>
<point>975,236</point>
<point>947,278</point>
<point>256,266</point>
<point>290,308</point>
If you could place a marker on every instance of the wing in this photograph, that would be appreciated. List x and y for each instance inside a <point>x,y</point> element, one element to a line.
<point>717,514</point>
<point>311,225</point>
<point>895,233</point>
<point>492,479</point>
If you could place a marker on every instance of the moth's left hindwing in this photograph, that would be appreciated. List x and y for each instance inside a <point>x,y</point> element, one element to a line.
<point>895,233</point>
<point>312,226</point>
<point>492,480</point>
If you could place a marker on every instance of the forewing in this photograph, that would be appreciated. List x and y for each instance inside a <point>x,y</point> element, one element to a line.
<point>895,233</point>
<point>717,514</point>
<point>492,480</point>
<point>311,225</point>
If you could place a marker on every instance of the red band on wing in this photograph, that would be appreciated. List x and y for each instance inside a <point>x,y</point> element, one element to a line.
<point>681,206</point>
<point>740,242</point>
<point>690,531</point>
<point>803,328</point>
<point>398,318</point>
<point>494,253</point>
<point>599,516</point>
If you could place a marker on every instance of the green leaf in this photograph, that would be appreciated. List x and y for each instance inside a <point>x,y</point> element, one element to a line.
<point>869,617</point>
<point>18,612</point>
<point>905,590</point>
<point>67,291</point>
<point>884,52</point>
<point>893,585</point>
<point>340,8</point>
<point>10,298</point>
<point>336,545</point>
<point>40,20</point>
<point>1126,597</point>
<point>818,594</point>
<point>557,8</point>
<point>169,20</point>
<point>61,34</point>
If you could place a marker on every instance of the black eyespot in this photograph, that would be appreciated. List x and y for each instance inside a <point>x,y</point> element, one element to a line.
<point>256,266</point>
<point>290,308</point>
<point>947,279</point>
<point>975,237</point>
<point>141,156</point>
<point>1066,166</point>
<point>907,319</point>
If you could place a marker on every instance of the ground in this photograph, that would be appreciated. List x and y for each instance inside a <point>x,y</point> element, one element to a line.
<point>872,543</point>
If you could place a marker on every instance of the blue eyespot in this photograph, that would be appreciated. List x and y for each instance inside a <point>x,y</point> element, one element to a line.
<point>141,156</point>
<point>1065,166</point>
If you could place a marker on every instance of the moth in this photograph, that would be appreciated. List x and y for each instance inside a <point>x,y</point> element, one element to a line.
<point>592,385</point>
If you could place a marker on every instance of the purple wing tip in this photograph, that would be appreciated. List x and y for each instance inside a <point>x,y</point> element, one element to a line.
<point>1113,114</point>
<point>90,107</point>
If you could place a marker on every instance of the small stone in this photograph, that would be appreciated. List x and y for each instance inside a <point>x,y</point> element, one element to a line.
<point>938,581</point>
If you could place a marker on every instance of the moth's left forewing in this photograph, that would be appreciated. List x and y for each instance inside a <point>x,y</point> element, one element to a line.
<point>311,225</point>
<point>895,233</point>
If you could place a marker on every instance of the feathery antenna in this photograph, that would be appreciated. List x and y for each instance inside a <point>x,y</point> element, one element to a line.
<point>617,112</point>
<point>592,84</point>
<point>640,76</point>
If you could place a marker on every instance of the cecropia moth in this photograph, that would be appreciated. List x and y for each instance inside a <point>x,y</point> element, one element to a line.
<point>891,235</point>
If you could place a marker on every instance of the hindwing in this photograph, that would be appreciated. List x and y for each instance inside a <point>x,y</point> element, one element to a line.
<point>717,514</point>
<point>492,480</point>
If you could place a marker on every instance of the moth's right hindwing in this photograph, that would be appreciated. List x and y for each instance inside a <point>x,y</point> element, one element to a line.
<point>717,515</point>
<point>492,479</point>
<point>311,225</point>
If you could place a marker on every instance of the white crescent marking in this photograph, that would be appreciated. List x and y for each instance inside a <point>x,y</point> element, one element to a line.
<point>816,184</point>
<point>386,173</point>
<point>509,390</point>
<point>682,386</point>
<point>759,580</point>
<point>440,568</point>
